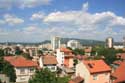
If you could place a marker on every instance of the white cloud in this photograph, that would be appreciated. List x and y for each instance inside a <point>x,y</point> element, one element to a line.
<point>76,24</point>
<point>12,20</point>
<point>85,6</point>
<point>37,16</point>
<point>98,25</point>
<point>7,4</point>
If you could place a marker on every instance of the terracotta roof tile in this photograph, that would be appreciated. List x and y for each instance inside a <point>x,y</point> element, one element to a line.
<point>121,56</point>
<point>49,59</point>
<point>119,73</point>
<point>97,66</point>
<point>88,50</point>
<point>78,79</point>
<point>19,61</point>
<point>65,50</point>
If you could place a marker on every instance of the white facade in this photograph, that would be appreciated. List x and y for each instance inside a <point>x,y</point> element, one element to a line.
<point>82,71</point>
<point>24,73</point>
<point>118,47</point>
<point>109,42</point>
<point>73,44</point>
<point>60,57</point>
<point>52,68</point>
<point>55,42</point>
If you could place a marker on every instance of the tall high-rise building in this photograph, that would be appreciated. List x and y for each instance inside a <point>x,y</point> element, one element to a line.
<point>73,44</point>
<point>109,42</point>
<point>55,42</point>
<point>124,41</point>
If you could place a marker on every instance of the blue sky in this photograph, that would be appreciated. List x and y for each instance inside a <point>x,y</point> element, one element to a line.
<point>38,20</point>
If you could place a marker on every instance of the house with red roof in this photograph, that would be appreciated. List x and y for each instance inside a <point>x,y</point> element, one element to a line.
<point>93,71</point>
<point>118,76</point>
<point>64,57</point>
<point>88,51</point>
<point>77,79</point>
<point>24,68</point>
<point>48,61</point>
<point>120,56</point>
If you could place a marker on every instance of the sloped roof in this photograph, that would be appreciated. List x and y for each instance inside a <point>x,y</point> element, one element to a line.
<point>78,79</point>
<point>119,73</point>
<point>121,56</point>
<point>19,61</point>
<point>49,60</point>
<point>96,66</point>
<point>65,50</point>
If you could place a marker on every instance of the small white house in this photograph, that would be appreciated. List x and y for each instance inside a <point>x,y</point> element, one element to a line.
<point>24,68</point>
<point>48,61</point>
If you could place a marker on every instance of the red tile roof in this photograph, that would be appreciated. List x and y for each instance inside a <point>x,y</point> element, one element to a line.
<point>119,73</point>
<point>121,56</point>
<point>19,61</point>
<point>88,50</point>
<point>97,66</point>
<point>65,50</point>
<point>49,59</point>
<point>118,62</point>
<point>78,79</point>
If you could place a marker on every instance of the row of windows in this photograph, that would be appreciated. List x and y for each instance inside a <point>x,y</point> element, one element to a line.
<point>95,76</point>
<point>22,71</point>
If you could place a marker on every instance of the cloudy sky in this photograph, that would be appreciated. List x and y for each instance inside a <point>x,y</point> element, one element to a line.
<point>38,20</point>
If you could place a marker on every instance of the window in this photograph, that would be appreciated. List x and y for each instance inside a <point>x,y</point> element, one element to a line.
<point>95,77</point>
<point>106,76</point>
<point>53,68</point>
<point>22,78</point>
<point>22,71</point>
<point>31,70</point>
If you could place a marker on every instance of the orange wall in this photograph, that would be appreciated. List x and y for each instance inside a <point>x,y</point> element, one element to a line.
<point>101,78</point>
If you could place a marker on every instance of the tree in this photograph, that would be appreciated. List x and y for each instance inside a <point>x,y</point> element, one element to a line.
<point>43,76</point>
<point>1,52</point>
<point>7,69</point>
<point>40,52</point>
<point>0,81</point>
<point>26,55</point>
<point>78,51</point>
<point>75,61</point>
<point>108,53</point>
<point>46,76</point>
<point>18,51</point>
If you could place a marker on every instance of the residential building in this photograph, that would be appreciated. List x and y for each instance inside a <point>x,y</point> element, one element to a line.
<point>88,51</point>
<point>24,68</point>
<point>78,79</point>
<point>48,61</point>
<point>118,76</point>
<point>55,42</point>
<point>93,71</point>
<point>120,56</point>
<point>73,44</point>
<point>64,57</point>
<point>109,42</point>
<point>4,78</point>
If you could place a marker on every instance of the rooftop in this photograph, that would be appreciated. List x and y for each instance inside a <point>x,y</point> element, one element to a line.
<point>49,59</point>
<point>119,73</point>
<point>96,66</point>
<point>19,61</point>
<point>78,79</point>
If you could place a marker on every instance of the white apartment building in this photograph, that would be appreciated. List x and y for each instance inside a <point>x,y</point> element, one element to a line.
<point>24,68</point>
<point>55,42</point>
<point>48,61</point>
<point>109,42</point>
<point>73,44</point>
